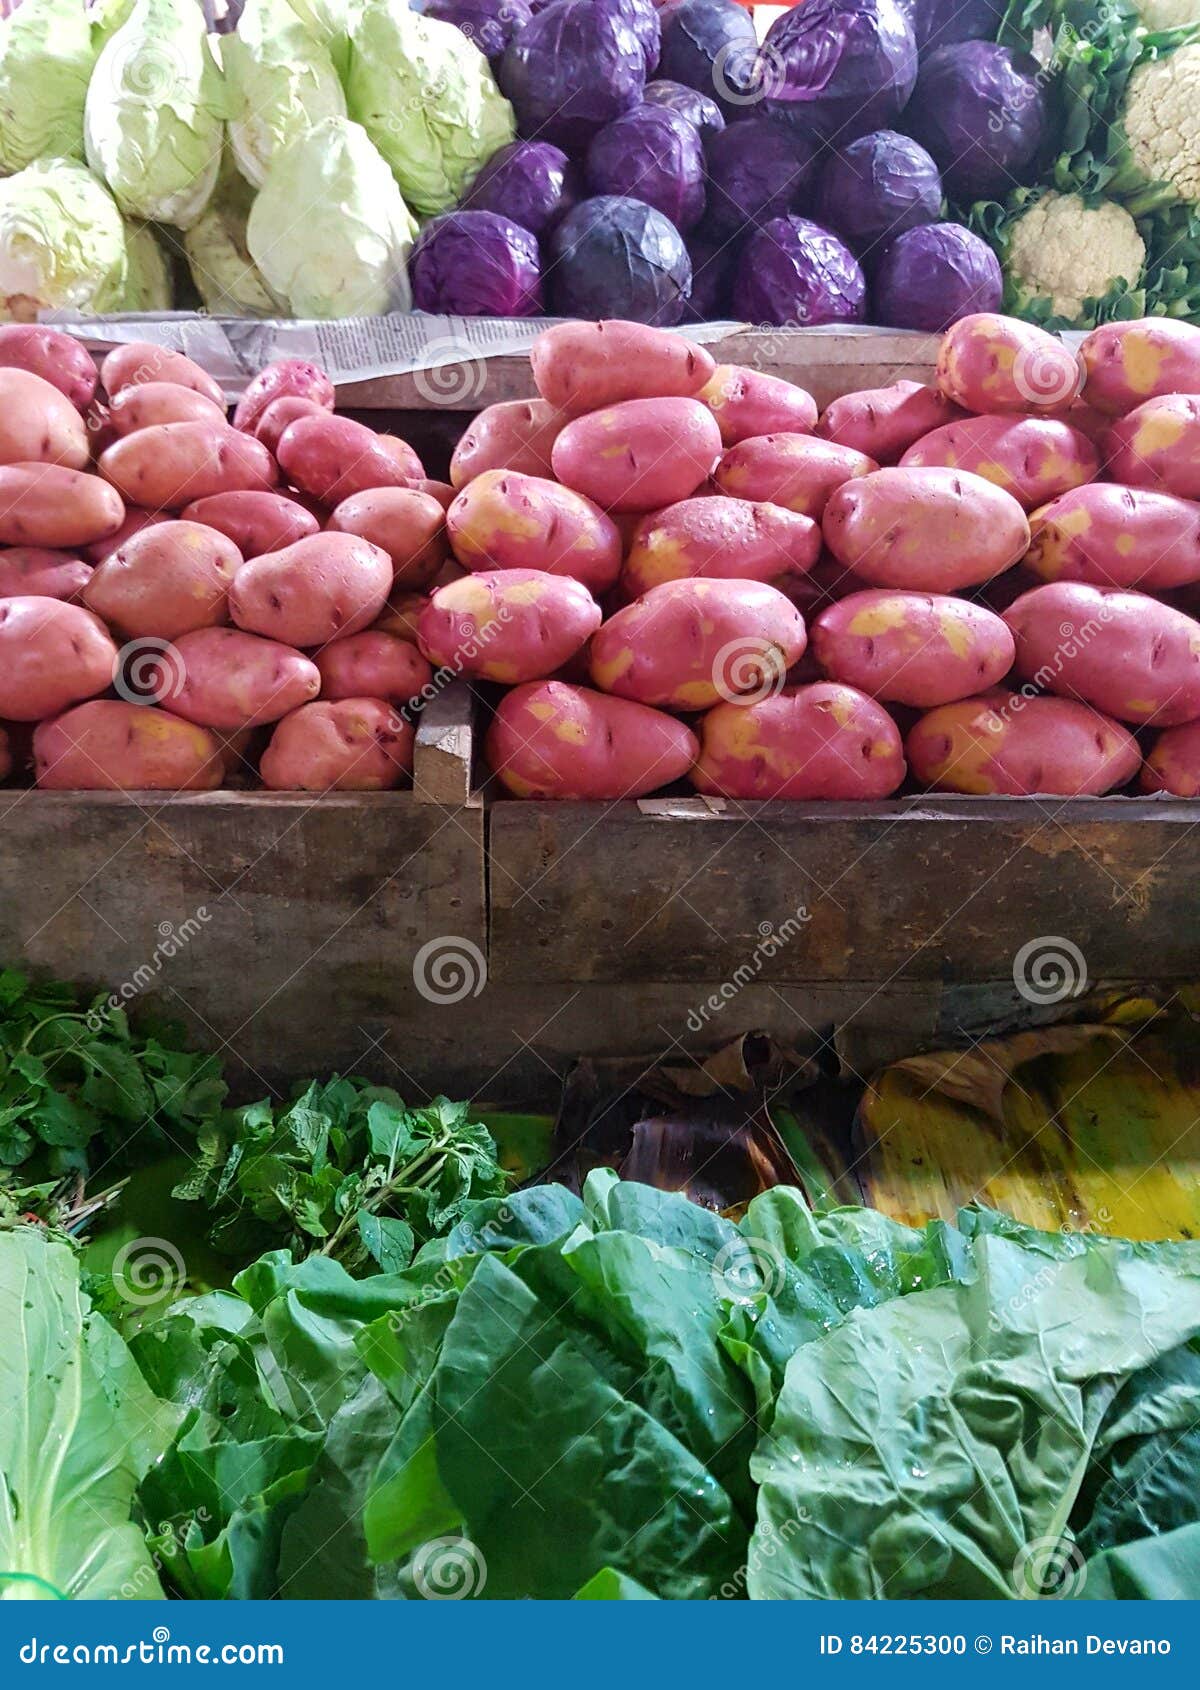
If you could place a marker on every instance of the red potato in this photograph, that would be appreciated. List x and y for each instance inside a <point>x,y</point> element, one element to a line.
<point>509,625</point>
<point>1033,458</point>
<point>747,403</point>
<point>51,655</point>
<point>173,464</point>
<point>58,358</point>
<point>689,644</point>
<point>113,746</point>
<point>320,589</point>
<point>38,424</point>
<point>272,421</point>
<point>1127,363</point>
<point>373,664</point>
<point>502,520</point>
<point>339,745</point>
<point>442,491</point>
<point>553,740</point>
<point>139,361</point>
<point>638,455</point>
<point>1113,536</point>
<point>1173,762</point>
<point>32,570</point>
<point>255,522</point>
<point>332,457</point>
<point>135,520</point>
<point>401,616</point>
<point>818,741</point>
<point>1122,653</point>
<point>292,377</point>
<point>991,363</point>
<point>165,581</point>
<point>884,422</point>
<point>580,367</point>
<point>1157,446</point>
<point>157,402</point>
<point>516,434</point>
<point>920,649</point>
<point>797,471</point>
<point>408,525</point>
<point>100,431</point>
<point>47,505</point>
<point>929,530</point>
<point>719,538</point>
<point>226,679</point>
<point>1088,421</point>
<point>1018,746</point>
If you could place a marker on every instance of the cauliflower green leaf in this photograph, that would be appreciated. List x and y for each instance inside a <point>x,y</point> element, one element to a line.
<point>1068,262</point>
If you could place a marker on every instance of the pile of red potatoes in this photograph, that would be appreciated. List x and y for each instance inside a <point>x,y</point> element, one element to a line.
<point>667,570</point>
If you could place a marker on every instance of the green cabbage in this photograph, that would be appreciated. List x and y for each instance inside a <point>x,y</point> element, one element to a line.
<point>426,97</point>
<point>148,271</point>
<point>330,230</point>
<point>280,82</point>
<point>154,120</point>
<point>226,277</point>
<point>329,21</point>
<point>62,242</point>
<point>46,58</point>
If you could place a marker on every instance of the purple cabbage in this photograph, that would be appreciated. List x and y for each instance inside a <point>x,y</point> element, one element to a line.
<point>490,24</point>
<point>654,155</point>
<point>982,111</point>
<point>931,276</point>
<point>617,257</point>
<point>476,264</point>
<point>713,265</point>
<point>572,69</point>
<point>876,188</point>
<point>642,18</point>
<point>531,182</point>
<point>837,69</point>
<point>757,170</point>
<point>794,272</point>
<point>702,113</point>
<point>710,45</point>
<point>935,23</point>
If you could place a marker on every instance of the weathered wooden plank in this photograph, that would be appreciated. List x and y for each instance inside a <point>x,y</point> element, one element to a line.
<point>444,751</point>
<point>945,889</point>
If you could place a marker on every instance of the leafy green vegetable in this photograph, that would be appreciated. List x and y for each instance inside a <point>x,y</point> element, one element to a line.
<point>280,81</point>
<point>62,241</point>
<point>79,1427</point>
<point>347,1169</point>
<point>46,57</point>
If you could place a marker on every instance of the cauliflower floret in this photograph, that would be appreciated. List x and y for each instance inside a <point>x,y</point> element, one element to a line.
<point>1067,251</point>
<point>1168,14</point>
<point>1162,120</point>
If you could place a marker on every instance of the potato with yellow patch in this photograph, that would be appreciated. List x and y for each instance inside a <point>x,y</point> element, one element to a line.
<point>165,581</point>
<point>1127,363</point>
<point>373,664</point>
<point>504,520</point>
<point>321,589</point>
<point>1033,458</point>
<point>990,363</point>
<point>553,740</point>
<point>1173,762</point>
<point>109,745</point>
<point>516,434</point>
<point>49,505</point>
<point>39,424</point>
<point>1113,536</point>
<point>927,530</point>
<point>580,366</point>
<point>408,525</point>
<point>226,679</point>
<point>168,465</point>
<point>884,422</point>
<point>339,745</point>
<point>1157,446</point>
<point>747,403</point>
<point>401,616</point>
<point>920,649</point>
<point>689,644</point>
<point>639,455</point>
<point>1124,653</point>
<point>509,625</point>
<point>797,471</point>
<point>51,655</point>
<point>818,741</point>
<point>1017,746</point>
<point>719,538</point>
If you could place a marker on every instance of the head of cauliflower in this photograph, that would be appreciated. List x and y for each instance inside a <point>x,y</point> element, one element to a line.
<point>1066,251</point>
<point>1162,120</point>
